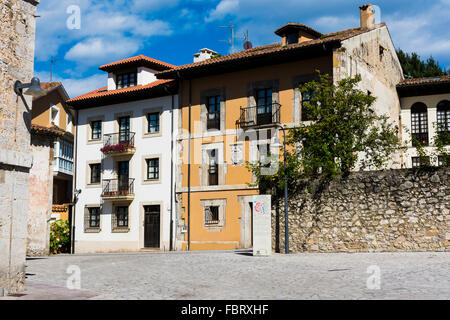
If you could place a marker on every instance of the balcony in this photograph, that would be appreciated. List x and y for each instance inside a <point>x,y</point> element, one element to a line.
<point>119,144</point>
<point>259,116</point>
<point>118,190</point>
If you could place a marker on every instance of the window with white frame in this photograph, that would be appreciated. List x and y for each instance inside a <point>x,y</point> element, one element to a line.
<point>54,115</point>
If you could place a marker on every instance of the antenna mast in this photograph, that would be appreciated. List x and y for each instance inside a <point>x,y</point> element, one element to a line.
<point>52,62</point>
<point>230,41</point>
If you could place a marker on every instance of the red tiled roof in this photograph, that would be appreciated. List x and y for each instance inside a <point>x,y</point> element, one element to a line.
<point>297,26</point>
<point>424,81</point>
<point>52,130</point>
<point>271,49</point>
<point>103,92</point>
<point>146,61</point>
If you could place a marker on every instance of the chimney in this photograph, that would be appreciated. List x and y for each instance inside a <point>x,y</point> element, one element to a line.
<point>204,54</point>
<point>367,17</point>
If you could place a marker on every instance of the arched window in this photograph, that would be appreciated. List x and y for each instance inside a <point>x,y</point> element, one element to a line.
<point>419,123</point>
<point>443,120</point>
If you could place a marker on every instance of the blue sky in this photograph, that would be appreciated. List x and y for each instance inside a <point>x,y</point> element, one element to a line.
<point>173,30</point>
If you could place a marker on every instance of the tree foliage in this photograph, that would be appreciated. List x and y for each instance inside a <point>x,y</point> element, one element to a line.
<point>414,67</point>
<point>345,128</point>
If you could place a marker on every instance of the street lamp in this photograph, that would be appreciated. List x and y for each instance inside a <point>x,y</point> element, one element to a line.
<point>34,88</point>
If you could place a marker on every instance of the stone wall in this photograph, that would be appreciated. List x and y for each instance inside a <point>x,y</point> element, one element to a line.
<point>17,34</point>
<point>394,210</point>
<point>40,195</point>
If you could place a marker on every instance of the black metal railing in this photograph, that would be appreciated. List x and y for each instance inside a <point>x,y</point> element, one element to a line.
<point>118,187</point>
<point>259,115</point>
<point>120,141</point>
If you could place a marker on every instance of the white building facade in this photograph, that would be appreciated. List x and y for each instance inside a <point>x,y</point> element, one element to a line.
<point>125,160</point>
<point>425,115</point>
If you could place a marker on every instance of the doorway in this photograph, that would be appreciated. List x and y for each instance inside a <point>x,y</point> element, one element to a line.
<point>152,224</point>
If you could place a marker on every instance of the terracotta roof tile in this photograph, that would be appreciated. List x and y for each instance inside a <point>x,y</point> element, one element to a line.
<point>103,92</point>
<point>158,65</point>
<point>424,81</point>
<point>266,50</point>
<point>49,130</point>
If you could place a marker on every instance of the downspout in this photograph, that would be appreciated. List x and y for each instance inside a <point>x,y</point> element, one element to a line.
<point>172,189</point>
<point>75,198</point>
<point>189,169</point>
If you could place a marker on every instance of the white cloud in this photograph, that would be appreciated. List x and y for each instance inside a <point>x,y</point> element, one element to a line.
<point>224,8</point>
<point>334,23</point>
<point>76,86</point>
<point>95,51</point>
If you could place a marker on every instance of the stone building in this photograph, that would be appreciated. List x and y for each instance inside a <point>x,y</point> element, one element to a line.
<point>231,109</point>
<point>17,34</point>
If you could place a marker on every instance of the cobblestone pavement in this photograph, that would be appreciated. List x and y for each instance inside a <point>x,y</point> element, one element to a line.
<point>237,275</point>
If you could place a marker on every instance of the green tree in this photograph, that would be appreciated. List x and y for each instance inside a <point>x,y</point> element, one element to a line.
<point>345,127</point>
<point>414,67</point>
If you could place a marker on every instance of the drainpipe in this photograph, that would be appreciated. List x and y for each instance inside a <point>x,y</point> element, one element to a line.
<point>74,184</point>
<point>172,189</point>
<point>189,169</point>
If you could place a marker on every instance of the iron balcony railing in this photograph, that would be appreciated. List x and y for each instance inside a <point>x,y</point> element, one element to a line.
<point>259,115</point>
<point>123,139</point>
<point>121,187</point>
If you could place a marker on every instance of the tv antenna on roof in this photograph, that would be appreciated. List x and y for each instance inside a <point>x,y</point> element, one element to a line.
<point>247,44</point>
<point>52,62</point>
<point>230,41</point>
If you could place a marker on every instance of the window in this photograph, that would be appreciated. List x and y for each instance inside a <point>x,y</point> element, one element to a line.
<point>153,169</point>
<point>153,122</point>
<point>124,129</point>
<point>126,80</point>
<point>417,162</point>
<point>306,98</point>
<point>264,155</point>
<point>94,217</point>
<point>96,170</point>
<point>444,160</point>
<point>264,106</point>
<point>213,168</point>
<point>292,38</point>
<point>213,115</point>
<point>121,217</point>
<point>443,121</point>
<point>69,123</point>
<point>211,215</point>
<point>96,130</point>
<point>419,123</point>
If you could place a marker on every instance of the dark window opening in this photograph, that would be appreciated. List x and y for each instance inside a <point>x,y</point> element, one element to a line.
<point>213,116</point>
<point>96,170</point>
<point>126,80</point>
<point>420,162</point>
<point>124,129</point>
<point>152,169</point>
<point>96,130</point>
<point>94,217</point>
<point>443,121</point>
<point>211,215</point>
<point>419,124</point>
<point>292,38</point>
<point>264,106</point>
<point>213,168</point>
<point>122,216</point>
<point>306,98</point>
<point>153,122</point>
